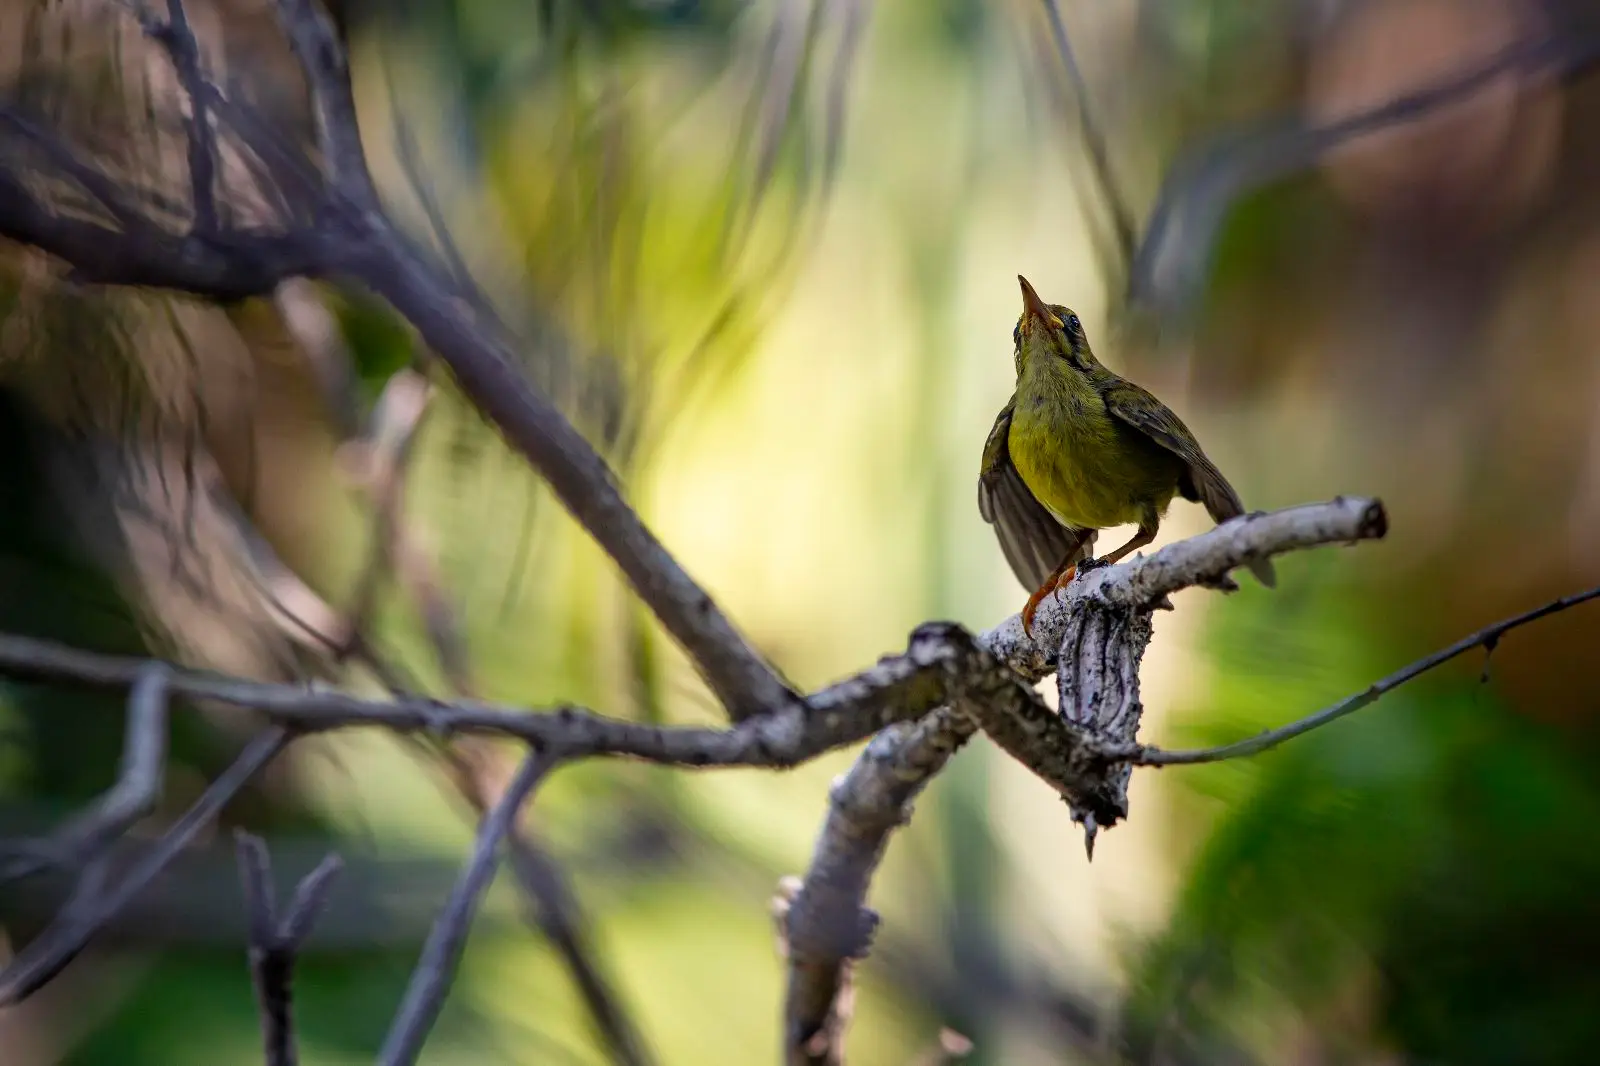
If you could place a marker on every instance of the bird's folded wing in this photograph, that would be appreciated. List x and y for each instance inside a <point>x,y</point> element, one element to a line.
<point>1202,482</point>
<point>1033,541</point>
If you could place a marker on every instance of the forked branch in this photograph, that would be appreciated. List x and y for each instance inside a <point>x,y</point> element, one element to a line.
<point>828,923</point>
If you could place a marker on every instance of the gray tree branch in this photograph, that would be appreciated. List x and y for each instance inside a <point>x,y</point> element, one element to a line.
<point>431,980</point>
<point>275,942</point>
<point>1486,638</point>
<point>137,788</point>
<point>828,924</point>
<point>96,902</point>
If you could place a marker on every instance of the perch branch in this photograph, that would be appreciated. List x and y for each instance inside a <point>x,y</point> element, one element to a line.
<point>899,688</point>
<point>982,682</point>
<point>829,924</point>
<point>429,982</point>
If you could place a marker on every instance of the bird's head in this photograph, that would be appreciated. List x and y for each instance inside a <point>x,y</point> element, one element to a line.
<point>1049,332</point>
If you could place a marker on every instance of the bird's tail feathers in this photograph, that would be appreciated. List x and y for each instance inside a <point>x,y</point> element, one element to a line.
<point>1223,503</point>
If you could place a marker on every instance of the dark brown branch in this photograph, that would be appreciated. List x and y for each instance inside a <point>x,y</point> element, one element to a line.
<point>425,995</point>
<point>316,45</point>
<point>275,942</point>
<point>89,910</point>
<point>560,919</point>
<point>177,39</point>
<point>352,239</point>
<point>228,264</point>
<point>483,361</point>
<point>1487,637</point>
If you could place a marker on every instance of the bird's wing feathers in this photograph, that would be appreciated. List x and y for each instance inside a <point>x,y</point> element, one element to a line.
<point>1155,420</point>
<point>1032,540</point>
<point>1202,481</point>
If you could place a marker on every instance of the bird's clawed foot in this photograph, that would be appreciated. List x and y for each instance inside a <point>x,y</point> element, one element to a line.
<point>1058,580</point>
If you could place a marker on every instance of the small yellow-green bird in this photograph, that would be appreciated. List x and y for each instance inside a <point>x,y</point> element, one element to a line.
<point>1078,449</point>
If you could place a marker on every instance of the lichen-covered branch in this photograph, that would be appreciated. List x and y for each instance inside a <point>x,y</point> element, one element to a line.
<point>828,923</point>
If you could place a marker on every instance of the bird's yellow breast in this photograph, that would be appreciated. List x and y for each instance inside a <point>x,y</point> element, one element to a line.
<point>1087,467</point>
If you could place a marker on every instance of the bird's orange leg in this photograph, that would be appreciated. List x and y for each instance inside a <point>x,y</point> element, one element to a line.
<point>1063,574</point>
<point>1145,535</point>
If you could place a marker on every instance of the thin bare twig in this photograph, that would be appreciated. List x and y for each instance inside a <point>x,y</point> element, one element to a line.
<point>562,922</point>
<point>1094,138</point>
<point>176,38</point>
<point>1181,233</point>
<point>1487,638</point>
<point>552,906</point>
<point>275,942</point>
<point>76,925</point>
<point>316,46</point>
<point>138,786</point>
<point>425,994</point>
<point>382,457</point>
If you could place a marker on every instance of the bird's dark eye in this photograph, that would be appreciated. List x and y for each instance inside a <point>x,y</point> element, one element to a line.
<point>1016,334</point>
<point>1073,325</point>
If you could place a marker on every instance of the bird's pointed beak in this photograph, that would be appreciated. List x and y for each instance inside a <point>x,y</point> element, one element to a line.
<point>1034,308</point>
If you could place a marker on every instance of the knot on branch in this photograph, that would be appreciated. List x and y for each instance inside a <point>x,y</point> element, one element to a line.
<point>844,934</point>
